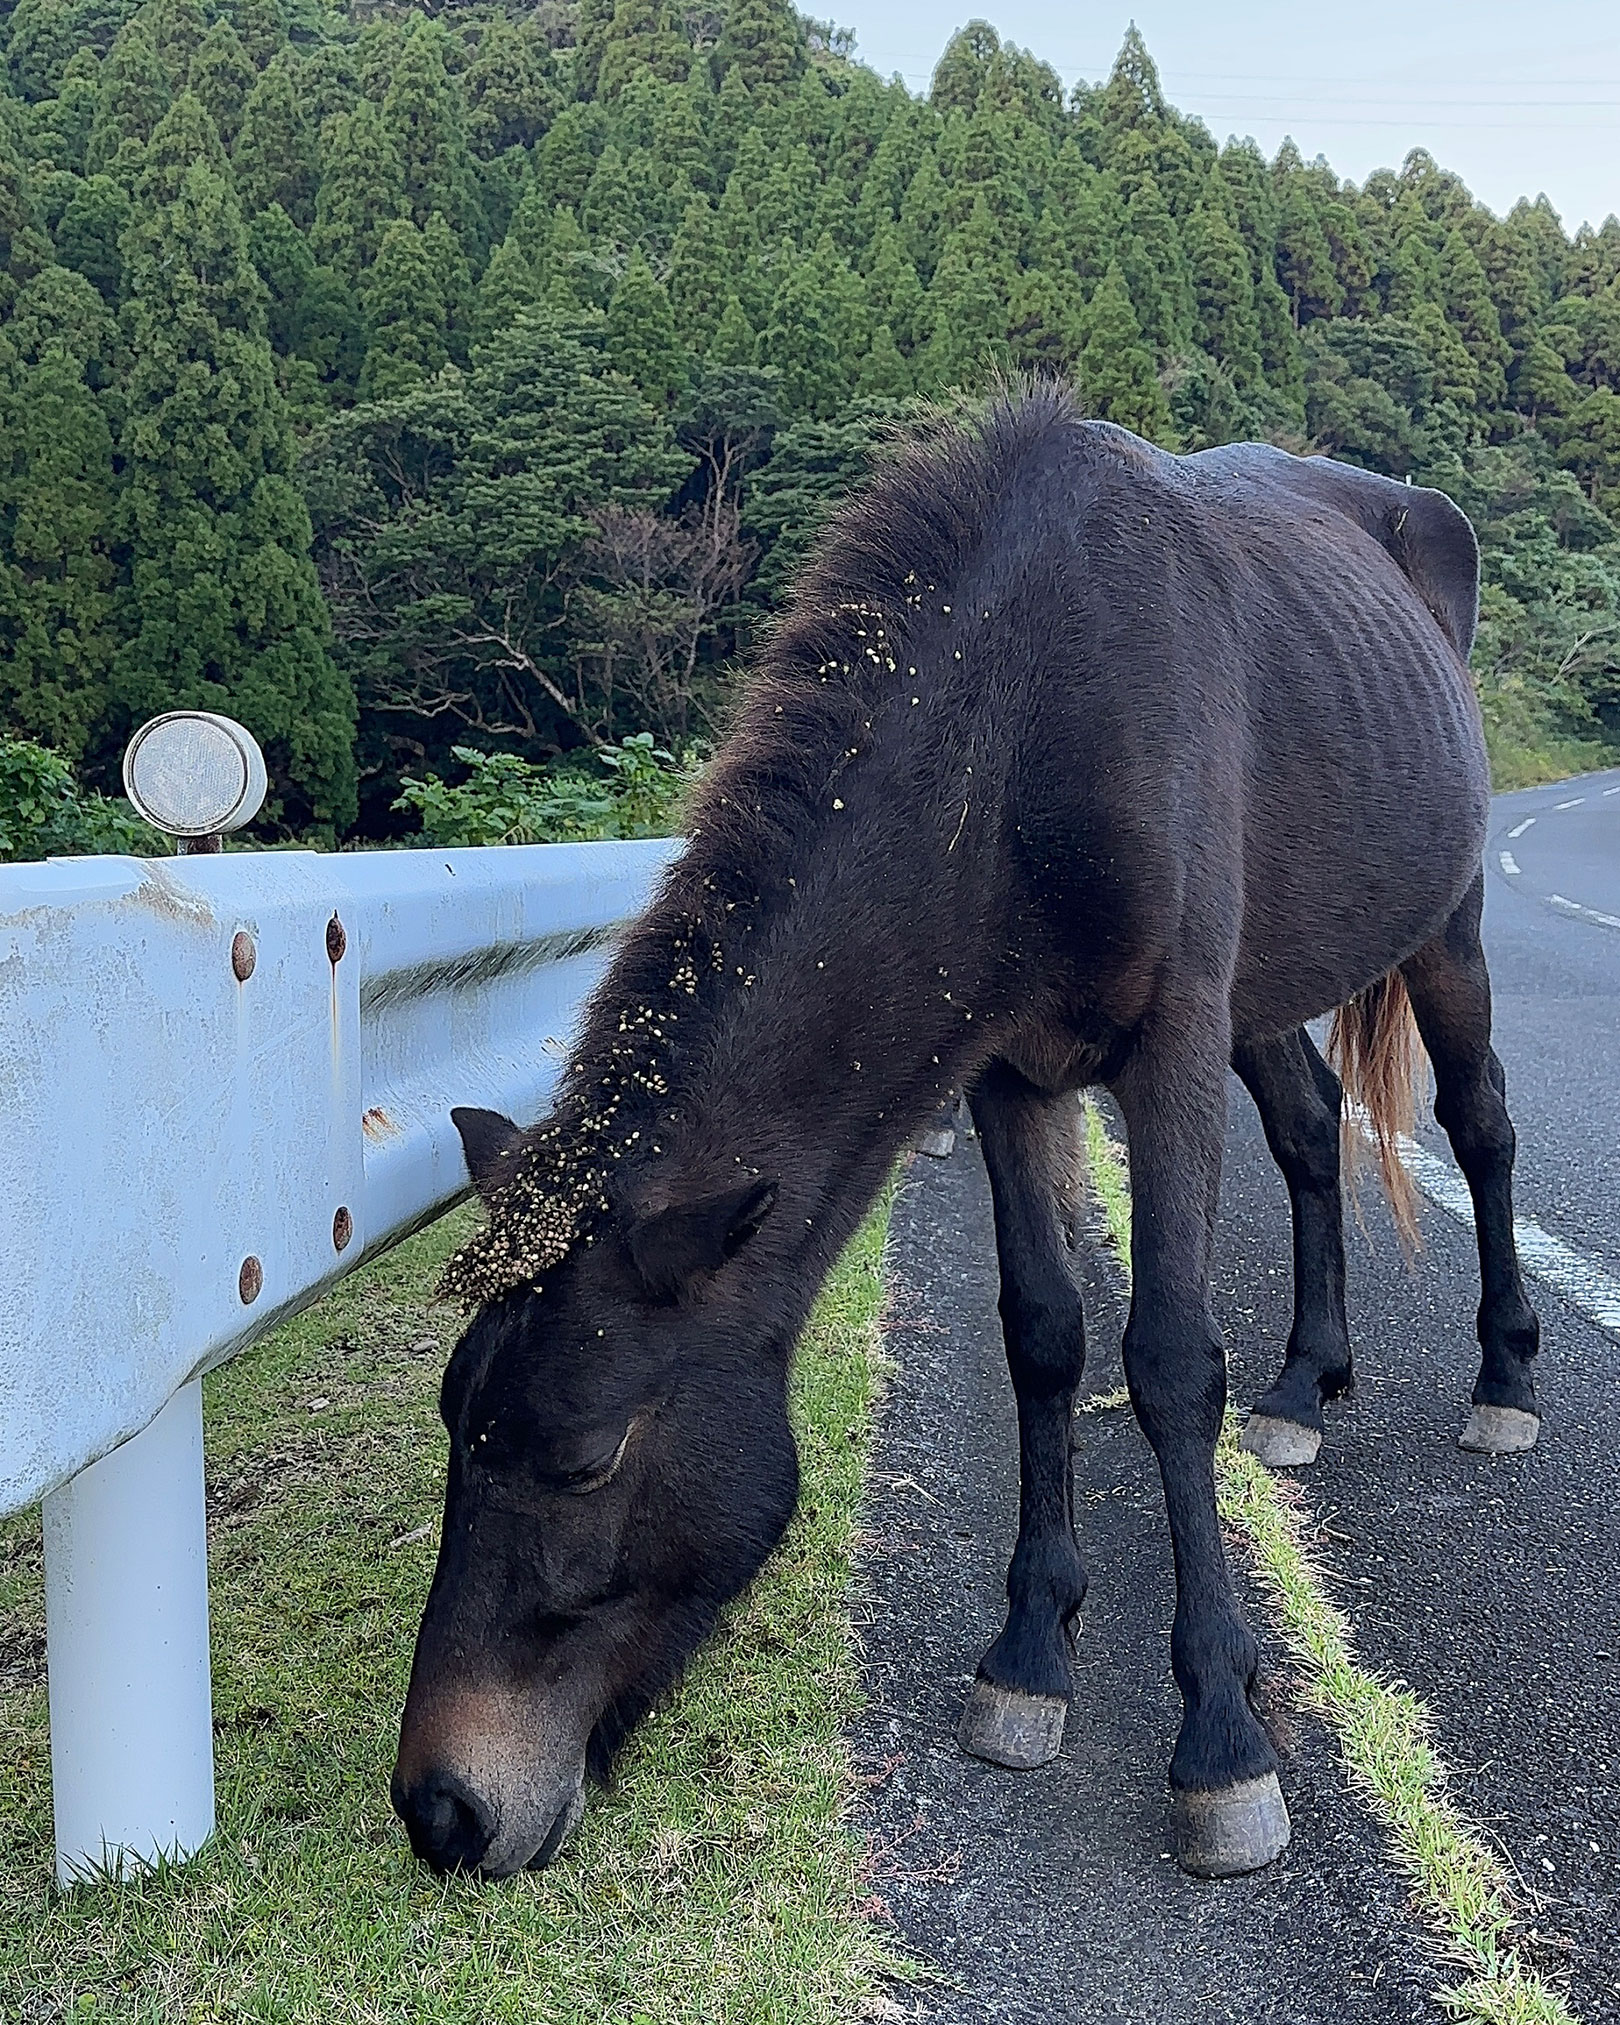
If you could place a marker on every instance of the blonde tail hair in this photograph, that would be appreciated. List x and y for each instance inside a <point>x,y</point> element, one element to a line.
<point>1374,1048</point>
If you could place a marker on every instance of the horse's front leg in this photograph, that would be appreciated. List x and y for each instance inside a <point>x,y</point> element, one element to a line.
<point>1227,1811</point>
<point>1032,1148</point>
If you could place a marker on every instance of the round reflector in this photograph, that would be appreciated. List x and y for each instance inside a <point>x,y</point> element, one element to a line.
<point>192,773</point>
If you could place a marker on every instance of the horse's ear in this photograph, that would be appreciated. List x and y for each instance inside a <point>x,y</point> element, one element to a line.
<point>673,1245</point>
<point>486,1139</point>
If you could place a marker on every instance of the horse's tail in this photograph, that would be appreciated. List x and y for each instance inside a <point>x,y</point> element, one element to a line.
<point>1374,1046</point>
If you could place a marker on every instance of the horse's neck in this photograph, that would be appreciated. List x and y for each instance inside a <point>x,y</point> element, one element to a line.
<point>841,1011</point>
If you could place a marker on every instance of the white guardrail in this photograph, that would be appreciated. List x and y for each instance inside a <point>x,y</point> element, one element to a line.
<point>224,1082</point>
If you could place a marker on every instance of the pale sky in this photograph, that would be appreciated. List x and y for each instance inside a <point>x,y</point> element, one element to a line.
<point>1516,99</point>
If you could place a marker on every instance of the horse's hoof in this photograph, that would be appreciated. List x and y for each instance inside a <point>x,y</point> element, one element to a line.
<point>1008,1728</point>
<point>1225,1833</point>
<point>1280,1444</point>
<point>1500,1430</point>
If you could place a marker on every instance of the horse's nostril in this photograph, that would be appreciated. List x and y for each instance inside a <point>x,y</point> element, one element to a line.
<point>449,1825</point>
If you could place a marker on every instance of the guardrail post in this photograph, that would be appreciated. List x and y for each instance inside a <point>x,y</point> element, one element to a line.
<point>126,1610</point>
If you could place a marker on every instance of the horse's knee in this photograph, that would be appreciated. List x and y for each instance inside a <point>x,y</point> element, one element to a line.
<point>1046,1339</point>
<point>1177,1380</point>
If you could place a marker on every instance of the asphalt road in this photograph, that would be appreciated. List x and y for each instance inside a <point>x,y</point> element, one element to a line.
<point>1493,1587</point>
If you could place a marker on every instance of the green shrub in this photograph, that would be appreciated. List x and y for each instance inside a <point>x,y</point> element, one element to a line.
<point>633,789</point>
<point>44,813</point>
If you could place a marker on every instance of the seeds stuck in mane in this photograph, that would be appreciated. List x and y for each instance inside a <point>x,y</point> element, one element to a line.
<point>559,1183</point>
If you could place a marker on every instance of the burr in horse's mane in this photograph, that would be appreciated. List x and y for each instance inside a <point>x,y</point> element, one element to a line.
<point>1071,763</point>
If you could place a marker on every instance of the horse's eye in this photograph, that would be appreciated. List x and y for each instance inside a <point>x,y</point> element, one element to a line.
<point>594,1475</point>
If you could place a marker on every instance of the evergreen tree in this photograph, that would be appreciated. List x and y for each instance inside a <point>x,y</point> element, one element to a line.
<point>177,29</point>
<point>404,303</point>
<point>222,610</point>
<point>1155,267</point>
<point>644,39</point>
<point>697,271</point>
<point>640,334</point>
<point>286,266</point>
<point>275,156</point>
<point>607,211</point>
<point>43,36</point>
<point>892,288</point>
<point>261,26</point>
<point>884,374</point>
<point>90,231</point>
<point>733,343</point>
<point>510,88</point>
<point>1224,290</point>
<point>679,144</point>
<point>1305,265</point>
<point>574,275</point>
<point>506,291</point>
<point>764,39</point>
<point>960,72</point>
<point>566,157</point>
<point>222,77</point>
<point>827,246</point>
<point>732,121</point>
<point>922,216</point>
<point>60,127</point>
<point>361,193</point>
<point>488,486</point>
<point>1116,366</point>
<point>58,511</point>
<point>423,114</point>
<point>1473,317</point>
<point>530,229</point>
<point>133,95</point>
<point>812,338</point>
<point>454,278</point>
<point>1352,262</point>
<point>1041,326</point>
<point>24,248</point>
<point>966,309</point>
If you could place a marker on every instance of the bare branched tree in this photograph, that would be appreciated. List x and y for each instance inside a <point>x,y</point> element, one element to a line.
<point>653,592</point>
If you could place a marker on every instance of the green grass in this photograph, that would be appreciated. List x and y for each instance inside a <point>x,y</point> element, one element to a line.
<point>718,1879</point>
<point>1461,1886</point>
<point>1517,763</point>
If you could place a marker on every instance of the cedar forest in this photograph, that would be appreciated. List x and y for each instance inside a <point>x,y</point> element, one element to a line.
<point>454,394</point>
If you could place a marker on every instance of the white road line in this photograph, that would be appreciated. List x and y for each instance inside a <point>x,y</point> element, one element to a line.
<point>1519,832</point>
<point>1585,913</point>
<point>1582,1283</point>
<point>1612,791</point>
<point>1575,804</point>
<point>1510,864</point>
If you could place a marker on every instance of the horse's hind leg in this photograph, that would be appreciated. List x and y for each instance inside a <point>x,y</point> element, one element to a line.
<point>1227,1811</point>
<point>1450,992</point>
<point>1298,1098</point>
<point>1032,1149</point>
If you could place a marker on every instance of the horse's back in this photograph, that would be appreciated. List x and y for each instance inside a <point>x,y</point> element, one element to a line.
<point>1278,647</point>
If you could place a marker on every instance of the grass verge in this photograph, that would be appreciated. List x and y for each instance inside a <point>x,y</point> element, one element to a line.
<point>1461,1886</point>
<point>717,1880</point>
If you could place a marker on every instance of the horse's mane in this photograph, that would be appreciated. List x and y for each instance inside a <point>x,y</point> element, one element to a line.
<point>905,534</point>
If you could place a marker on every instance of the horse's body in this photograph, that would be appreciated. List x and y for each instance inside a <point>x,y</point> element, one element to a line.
<point>1072,762</point>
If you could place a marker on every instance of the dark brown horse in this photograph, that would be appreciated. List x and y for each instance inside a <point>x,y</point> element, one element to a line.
<point>1071,763</point>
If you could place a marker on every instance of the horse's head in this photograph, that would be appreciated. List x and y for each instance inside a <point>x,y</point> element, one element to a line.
<point>620,1466</point>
